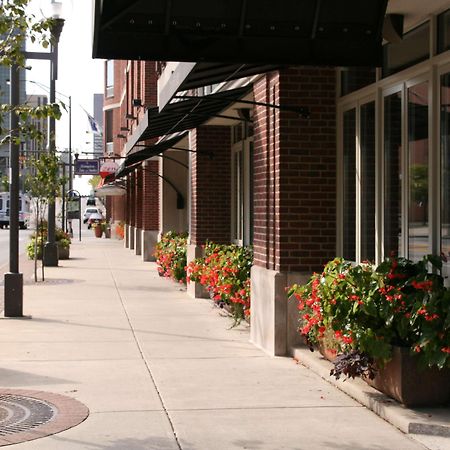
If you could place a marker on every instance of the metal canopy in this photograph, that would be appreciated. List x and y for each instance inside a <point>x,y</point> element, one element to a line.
<point>134,159</point>
<point>307,32</point>
<point>189,113</point>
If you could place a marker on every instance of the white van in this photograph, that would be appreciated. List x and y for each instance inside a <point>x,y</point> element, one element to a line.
<point>24,210</point>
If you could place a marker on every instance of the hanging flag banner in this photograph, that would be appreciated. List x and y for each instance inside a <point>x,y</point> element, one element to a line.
<point>108,168</point>
<point>93,124</point>
<point>86,166</point>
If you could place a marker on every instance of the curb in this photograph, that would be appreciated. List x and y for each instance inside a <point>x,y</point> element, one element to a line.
<point>429,421</point>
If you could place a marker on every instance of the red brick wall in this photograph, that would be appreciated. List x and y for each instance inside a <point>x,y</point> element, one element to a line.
<point>150,196</point>
<point>210,188</point>
<point>138,201</point>
<point>132,199</point>
<point>295,171</point>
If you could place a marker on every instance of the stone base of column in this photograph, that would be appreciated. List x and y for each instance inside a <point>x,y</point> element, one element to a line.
<point>132,237</point>
<point>149,241</point>
<point>274,318</point>
<point>13,295</point>
<point>195,290</point>
<point>138,241</point>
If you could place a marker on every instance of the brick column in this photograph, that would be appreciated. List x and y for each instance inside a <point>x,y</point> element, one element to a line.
<point>138,207</point>
<point>294,196</point>
<point>128,213</point>
<point>132,181</point>
<point>150,213</point>
<point>210,191</point>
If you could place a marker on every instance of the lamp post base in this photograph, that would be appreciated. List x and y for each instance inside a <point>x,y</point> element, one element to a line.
<point>51,254</point>
<point>13,294</point>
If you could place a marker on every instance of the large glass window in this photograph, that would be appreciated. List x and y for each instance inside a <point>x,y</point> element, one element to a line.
<point>349,185</point>
<point>413,48</point>
<point>444,31</point>
<point>445,165</point>
<point>109,78</point>
<point>354,78</point>
<point>367,149</point>
<point>392,174</point>
<point>418,227</point>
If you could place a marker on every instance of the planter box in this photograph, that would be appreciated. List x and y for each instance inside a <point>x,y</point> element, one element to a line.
<point>63,252</point>
<point>404,381</point>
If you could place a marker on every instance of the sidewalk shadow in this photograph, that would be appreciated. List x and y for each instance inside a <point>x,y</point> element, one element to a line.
<point>15,378</point>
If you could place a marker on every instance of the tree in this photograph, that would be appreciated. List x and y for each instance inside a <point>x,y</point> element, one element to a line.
<point>42,185</point>
<point>16,26</point>
<point>93,181</point>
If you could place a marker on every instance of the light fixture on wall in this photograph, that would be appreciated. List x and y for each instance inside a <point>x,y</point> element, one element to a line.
<point>137,102</point>
<point>130,116</point>
<point>121,136</point>
<point>124,129</point>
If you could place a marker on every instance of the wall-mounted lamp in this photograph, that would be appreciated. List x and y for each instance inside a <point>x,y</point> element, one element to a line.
<point>137,102</point>
<point>124,129</point>
<point>121,136</point>
<point>130,116</point>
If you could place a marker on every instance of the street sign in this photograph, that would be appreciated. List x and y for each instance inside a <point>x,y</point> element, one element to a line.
<point>86,166</point>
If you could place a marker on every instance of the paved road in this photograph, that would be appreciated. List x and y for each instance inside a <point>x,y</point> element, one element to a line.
<point>4,244</point>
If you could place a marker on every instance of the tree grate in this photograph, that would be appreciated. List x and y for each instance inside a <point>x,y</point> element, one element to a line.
<point>20,413</point>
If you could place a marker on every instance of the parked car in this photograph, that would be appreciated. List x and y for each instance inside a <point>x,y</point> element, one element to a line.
<point>90,201</point>
<point>94,218</point>
<point>89,211</point>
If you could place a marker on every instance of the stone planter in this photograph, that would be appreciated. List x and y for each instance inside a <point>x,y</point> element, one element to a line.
<point>404,381</point>
<point>63,252</point>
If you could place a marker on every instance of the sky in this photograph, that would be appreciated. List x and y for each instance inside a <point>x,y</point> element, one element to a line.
<point>79,76</point>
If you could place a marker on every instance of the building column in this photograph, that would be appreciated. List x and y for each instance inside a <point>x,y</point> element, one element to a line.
<point>210,217</point>
<point>294,197</point>
<point>132,226</point>
<point>127,214</point>
<point>150,213</point>
<point>138,206</point>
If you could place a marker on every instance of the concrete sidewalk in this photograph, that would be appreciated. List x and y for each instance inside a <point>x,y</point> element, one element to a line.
<point>161,371</point>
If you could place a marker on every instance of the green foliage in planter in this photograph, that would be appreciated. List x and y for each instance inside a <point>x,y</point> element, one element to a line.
<point>61,238</point>
<point>225,272</point>
<point>171,255</point>
<point>371,309</point>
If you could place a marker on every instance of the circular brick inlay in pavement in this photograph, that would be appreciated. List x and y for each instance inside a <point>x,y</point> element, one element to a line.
<point>27,415</point>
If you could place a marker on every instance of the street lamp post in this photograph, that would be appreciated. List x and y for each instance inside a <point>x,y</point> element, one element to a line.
<point>50,257</point>
<point>14,279</point>
<point>13,292</point>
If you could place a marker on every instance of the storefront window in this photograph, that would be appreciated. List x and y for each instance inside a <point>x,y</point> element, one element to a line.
<point>367,145</point>
<point>349,185</point>
<point>418,227</point>
<point>413,48</point>
<point>444,31</point>
<point>354,78</point>
<point>392,174</point>
<point>445,164</point>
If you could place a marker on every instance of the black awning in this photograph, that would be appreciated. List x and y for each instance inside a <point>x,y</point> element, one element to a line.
<point>133,160</point>
<point>189,113</point>
<point>307,32</point>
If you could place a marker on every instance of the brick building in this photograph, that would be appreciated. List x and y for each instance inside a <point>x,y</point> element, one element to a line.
<point>304,162</point>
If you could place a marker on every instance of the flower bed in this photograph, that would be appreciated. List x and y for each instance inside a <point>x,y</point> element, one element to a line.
<point>171,256</point>
<point>371,310</point>
<point>225,272</point>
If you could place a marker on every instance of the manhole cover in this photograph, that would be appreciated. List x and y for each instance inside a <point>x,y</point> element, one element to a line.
<point>27,415</point>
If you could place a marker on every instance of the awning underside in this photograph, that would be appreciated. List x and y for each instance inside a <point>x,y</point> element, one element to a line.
<point>189,113</point>
<point>133,160</point>
<point>317,32</point>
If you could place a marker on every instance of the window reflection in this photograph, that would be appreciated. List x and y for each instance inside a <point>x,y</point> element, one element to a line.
<point>418,230</point>
<point>349,187</point>
<point>392,174</point>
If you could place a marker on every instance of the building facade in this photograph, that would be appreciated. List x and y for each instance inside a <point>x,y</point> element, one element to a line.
<point>304,163</point>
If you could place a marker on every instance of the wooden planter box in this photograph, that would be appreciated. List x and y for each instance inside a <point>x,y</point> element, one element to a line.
<point>404,381</point>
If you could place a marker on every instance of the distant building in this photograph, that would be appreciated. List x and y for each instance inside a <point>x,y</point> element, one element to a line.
<point>98,116</point>
<point>4,99</point>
